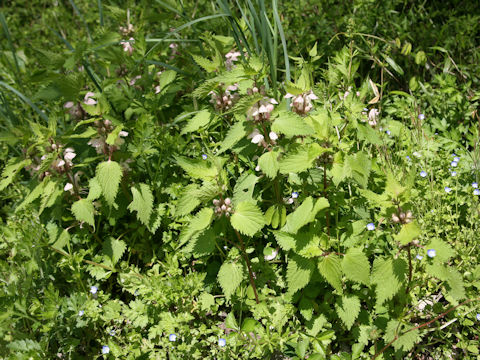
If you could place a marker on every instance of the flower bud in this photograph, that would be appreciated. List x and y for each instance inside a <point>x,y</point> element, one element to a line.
<point>228,201</point>
<point>395,218</point>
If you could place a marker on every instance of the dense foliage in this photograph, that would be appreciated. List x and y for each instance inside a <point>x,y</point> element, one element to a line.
<point>239,180</point>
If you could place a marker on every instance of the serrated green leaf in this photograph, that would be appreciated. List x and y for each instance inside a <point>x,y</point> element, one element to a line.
<point>114,249</point>
<point>299,272</point>
<point>198,223</point>
<point>94,189</point>
<point>198,121</point>
<point>9,172</point>
<point>290,124</point>
<point>229,277</point>
<point>330,268</point>
<point>442,249</point>
<point>408,233</point>
<point>142,203</point>
<point>236,133</point>
<point>388,275</point>
<point>198,169</point>
<point>112,137</point>
<point>244,187</point>
<point>301,159</point>
<point>247,218</point>
<point>32,196</point>
<point>109,174</point>
<point>83,211</point>
<point>207,65</point>
<point>285,240</point>
<point>188,201</point>
<point>348,308</point>
<point>268,163</point>
<point>356,267</point>
<point>304,214</point>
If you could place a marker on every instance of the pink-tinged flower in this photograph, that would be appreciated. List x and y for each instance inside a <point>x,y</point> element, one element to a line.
<point>127,45</point>
<point>87,100</point>
<point>231,57</point>
<point>68,104</point>
<point>256,137</point>
<point>273,136</point>
<point>302,104</point>
<point>134,80</point>
<point>372,117</point>
<point>261,110</point>
<point>68,187</point>
<point>97,143</point>
<point>69,154</point>
<point>119,141</point>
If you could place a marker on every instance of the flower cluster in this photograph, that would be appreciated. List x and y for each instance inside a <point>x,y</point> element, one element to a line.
<point>302,104</point>
<point>231,57</point>
<point>223,207</point>
<point>402,217</point>
<point>373,117</point>
<point>224,100</point>
<point>127,30</point>
<point>259,139</point>
<point>104,128</point>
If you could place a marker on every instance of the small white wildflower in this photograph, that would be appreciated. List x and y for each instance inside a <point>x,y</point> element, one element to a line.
<point>68,187</point>
<point>273,136</point>
<point>172,337</point>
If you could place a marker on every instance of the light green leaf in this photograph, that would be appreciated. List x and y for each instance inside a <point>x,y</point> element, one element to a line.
<point>304,214</point>
<point>114,249</point>
<point>302,159</point>
<point>198,121</point>
<point>11,170</point>
<point>247,218</point>
<point>236,133</point>
<point>388,275</point>
<point>408,233</point>
<point>230,276</point>
<point>198,223</point>
<point>187,201</point>
<point>356,267</point>
<point>198,169</point>
<point>109,174</point>
<point>299,272</point>
<point>268,163</point>
<point>94,189</point>
<point>443,250</point>
<point>244,187</point>
<point>348,309</point>
<point>290,124</point>
<point>207,65</point>
<point>83,211</point>
<point>330,268</point>
<point>142,203</point>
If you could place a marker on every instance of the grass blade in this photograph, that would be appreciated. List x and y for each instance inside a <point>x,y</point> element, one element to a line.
<point>100,12</point>
<point>12,48</point>
<point>26,100</point>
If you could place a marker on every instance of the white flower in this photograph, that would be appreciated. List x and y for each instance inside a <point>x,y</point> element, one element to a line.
<point>272,256</point>
<point>157,89</point>
<point>87,100</point>
<point>97,143</point>
<point>372,117</point>
<point>257,168</point>
<point>417,154</point>
<point>273,136</point>
<point>69,155</point>
<point>68,104</point>
<point>127,45</point>
<point>256,137</point>
<point>68,187</point>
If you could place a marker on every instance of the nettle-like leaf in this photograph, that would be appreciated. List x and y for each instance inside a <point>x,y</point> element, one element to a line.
<point>299,272</point>
<point>207,65</point>
<point>269,164</point>
<point>236,133</point>
<point>9,172</point>
<point>244,187</point>
<point>109,174</point>
<point>94,189</point>
<point>188,201</point>
<point>114,249</point>
<point>356,267</point>
<point>230,276</point>
<point>198,169</point>
<point>290,124</point>
<point>198,121</point>
<point>406,340</point>
<point>83,211</point>
<point>304,214</point>
<point>358,167</point>
<point>408,233</point>
<point>443,250</point>
<point>389,276</point>
<point>348,308</point>
<point>142,203</point>
<point>330,268</point>
<point>454,280</point>
<point>301,159</point>
<point>198,223</point>
<point>247,218</point>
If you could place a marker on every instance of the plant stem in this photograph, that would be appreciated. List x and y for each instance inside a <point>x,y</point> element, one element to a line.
<point>250,273</point>
<point>409,269</point>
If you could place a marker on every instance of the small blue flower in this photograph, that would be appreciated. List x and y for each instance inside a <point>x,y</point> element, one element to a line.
<point>421,116</point>
<point>222,342</point>
<point>453,154</point>
<point>447,189</point>
<point>431,253</point>
<point>419,257</point>
<point>172,337</point>
<point>475,185</point>
<point>453,164</point>
<point>112,332</point>
<point>81,312</point>
<point>478,317</point>
<point>456,159</point>
<point>294,195</point>
<point>407,157</point>
<point>476,192</point>
<point>370,226</point>
<point>454,173</point>
<point>423,173</point>
<point>105,349</point>
<point>93,290</point>
<point>388,132</point>
<point>204,156</point>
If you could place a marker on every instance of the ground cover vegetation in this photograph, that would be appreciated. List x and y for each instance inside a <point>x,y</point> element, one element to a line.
<point>246,179</point>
